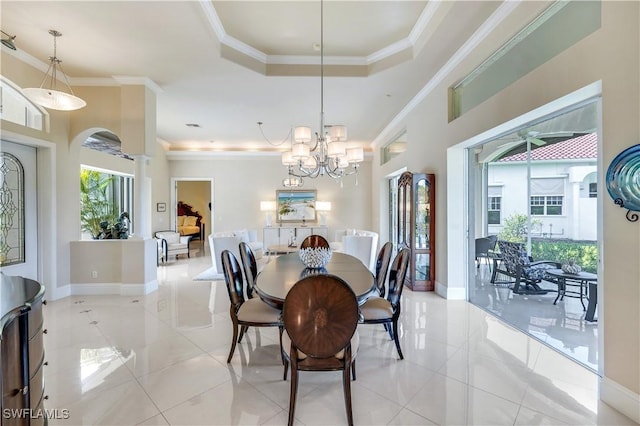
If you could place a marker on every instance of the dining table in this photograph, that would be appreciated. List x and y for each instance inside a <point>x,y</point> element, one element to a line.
<point>280,274</point>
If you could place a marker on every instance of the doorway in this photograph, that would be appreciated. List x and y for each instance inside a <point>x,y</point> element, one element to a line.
<point>19,206</point>
<point>536,185</point>
<point>196,195</point>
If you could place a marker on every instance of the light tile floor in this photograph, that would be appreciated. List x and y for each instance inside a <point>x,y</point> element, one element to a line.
<point>561,326</point>
<point>161,359</point>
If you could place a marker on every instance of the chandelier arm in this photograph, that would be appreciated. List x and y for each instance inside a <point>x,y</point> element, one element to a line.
<point>286,138</point>
<point>44,79</point>
<point>66,80</point>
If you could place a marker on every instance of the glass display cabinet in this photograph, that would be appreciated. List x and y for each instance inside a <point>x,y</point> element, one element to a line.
<point>416,227</point>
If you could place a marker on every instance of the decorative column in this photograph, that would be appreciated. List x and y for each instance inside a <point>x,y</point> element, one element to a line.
<point>142,198</point>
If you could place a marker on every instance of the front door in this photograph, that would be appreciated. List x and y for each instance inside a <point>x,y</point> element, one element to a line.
<point>18,210</point>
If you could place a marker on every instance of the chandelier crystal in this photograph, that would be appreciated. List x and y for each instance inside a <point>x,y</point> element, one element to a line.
<point>329,154</point>
<point>49,97</point>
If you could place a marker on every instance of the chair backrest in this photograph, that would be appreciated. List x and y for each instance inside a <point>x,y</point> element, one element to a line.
<point>382,266</point>
<point>513,255</point>
<point>250,267</point>
<point>171,237</point>
<point>314,241</point>
<point>218,244</point>
<point>484,244</point>
<point>397,274</point>
<point>233,278</point>
<point>320,314</point>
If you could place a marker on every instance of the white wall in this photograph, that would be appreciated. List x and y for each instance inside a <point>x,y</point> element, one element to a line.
<point>241,182</point>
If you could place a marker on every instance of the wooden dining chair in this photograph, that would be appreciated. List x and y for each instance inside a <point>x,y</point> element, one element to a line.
<point>380,310</point>
<point>320,316</point>
<point>245,313</point>
<point>250,267</point>
<point>314,241</point>
<point>382,267</point>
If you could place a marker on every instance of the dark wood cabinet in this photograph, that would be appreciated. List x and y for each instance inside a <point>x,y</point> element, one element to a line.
<point>416,227</point>
<point>21,352</point>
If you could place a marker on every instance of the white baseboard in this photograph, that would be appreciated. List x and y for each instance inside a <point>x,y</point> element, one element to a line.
<point>620,398</point>
<point>113,289</point>
<point>450,293</point>
<point>58,293</point>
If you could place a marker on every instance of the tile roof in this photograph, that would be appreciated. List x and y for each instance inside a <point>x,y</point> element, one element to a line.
<point>585,146</point>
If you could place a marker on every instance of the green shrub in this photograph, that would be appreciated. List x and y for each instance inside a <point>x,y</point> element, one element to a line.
<point>515,228</point>
<point>585,253</point>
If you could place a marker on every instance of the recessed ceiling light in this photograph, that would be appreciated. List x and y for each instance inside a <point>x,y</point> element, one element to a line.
<point>193,125</point>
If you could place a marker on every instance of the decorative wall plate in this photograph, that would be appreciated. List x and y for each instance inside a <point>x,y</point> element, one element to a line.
<point>623,180</point>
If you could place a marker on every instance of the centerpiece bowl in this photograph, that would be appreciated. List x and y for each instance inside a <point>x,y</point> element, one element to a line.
<point>315,257</point>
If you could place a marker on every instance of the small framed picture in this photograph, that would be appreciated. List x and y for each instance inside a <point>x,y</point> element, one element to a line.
<point>161,207</point>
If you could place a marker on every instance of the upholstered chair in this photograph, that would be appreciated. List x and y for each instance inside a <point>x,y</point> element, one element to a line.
<point>381,310</point>
<point>245,313</point>
<point>320,316</point>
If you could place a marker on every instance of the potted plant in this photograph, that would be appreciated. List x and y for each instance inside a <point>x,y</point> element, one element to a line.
<point>97,212</point>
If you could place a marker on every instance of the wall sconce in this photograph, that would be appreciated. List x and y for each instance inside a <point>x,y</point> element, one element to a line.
<point>268,207</point>
<point>9,41</point>
<point>322,207</point>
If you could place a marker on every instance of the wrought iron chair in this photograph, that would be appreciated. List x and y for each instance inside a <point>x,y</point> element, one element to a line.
<point>484,246</point>
<point>517,264</point>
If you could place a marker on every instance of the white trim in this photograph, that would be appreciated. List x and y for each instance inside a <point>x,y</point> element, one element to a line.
<point>243,47</point>
<point>315,60</point>
<point>105,289</point>
<point>58,293</point>
<point>620,398</point>
<point>392,49</point>
<point>450,293</point>
<point>126,80</point>
<point>423,21</point>
<point>481,33</point>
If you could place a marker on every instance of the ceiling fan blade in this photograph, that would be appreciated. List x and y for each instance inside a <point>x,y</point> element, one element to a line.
<point>536,141</point>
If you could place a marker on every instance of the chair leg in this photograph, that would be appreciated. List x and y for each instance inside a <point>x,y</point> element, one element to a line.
<point>346,384</point>
<point>294,392</point>
<point>395,338</point>
<point>233,342</point>
<point>243,330</point>
<point>353,370</point>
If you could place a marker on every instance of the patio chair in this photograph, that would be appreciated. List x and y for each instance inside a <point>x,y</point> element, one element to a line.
<point>484,246</point>
<point>516,263</point>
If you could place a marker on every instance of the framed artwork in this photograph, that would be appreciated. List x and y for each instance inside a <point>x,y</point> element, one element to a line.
<point>295,206</point>
<point>161,207</point>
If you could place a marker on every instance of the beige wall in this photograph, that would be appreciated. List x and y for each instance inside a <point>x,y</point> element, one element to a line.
<point>241,182</point>
<point>609,55</point>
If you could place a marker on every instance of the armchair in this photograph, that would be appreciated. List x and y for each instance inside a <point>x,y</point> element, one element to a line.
<point>172,243</point>
<point>517,264</point>
<point>359,243</point>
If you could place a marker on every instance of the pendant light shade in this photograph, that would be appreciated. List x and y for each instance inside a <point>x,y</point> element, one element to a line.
<point>47,95</point>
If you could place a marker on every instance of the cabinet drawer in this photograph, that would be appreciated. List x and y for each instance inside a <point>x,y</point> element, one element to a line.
<point>36,388</point>
<point>35,317</point>
<point>11,362</point>
<point>36,353</point>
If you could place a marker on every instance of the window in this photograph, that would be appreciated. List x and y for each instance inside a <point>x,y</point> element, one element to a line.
<point>546,205</point>
<point>493,210</point>
<point>593,190</point>
<point>394,148</point>
<point>104,196</point>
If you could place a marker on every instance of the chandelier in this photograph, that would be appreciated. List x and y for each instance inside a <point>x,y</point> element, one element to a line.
<point>49,97</point>
<point>329,154</point>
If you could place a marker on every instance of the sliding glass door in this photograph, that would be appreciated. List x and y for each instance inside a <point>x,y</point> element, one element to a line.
<point>536,189</point>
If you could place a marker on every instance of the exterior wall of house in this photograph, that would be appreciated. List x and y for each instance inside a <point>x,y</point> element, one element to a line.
<point>577,221</point>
